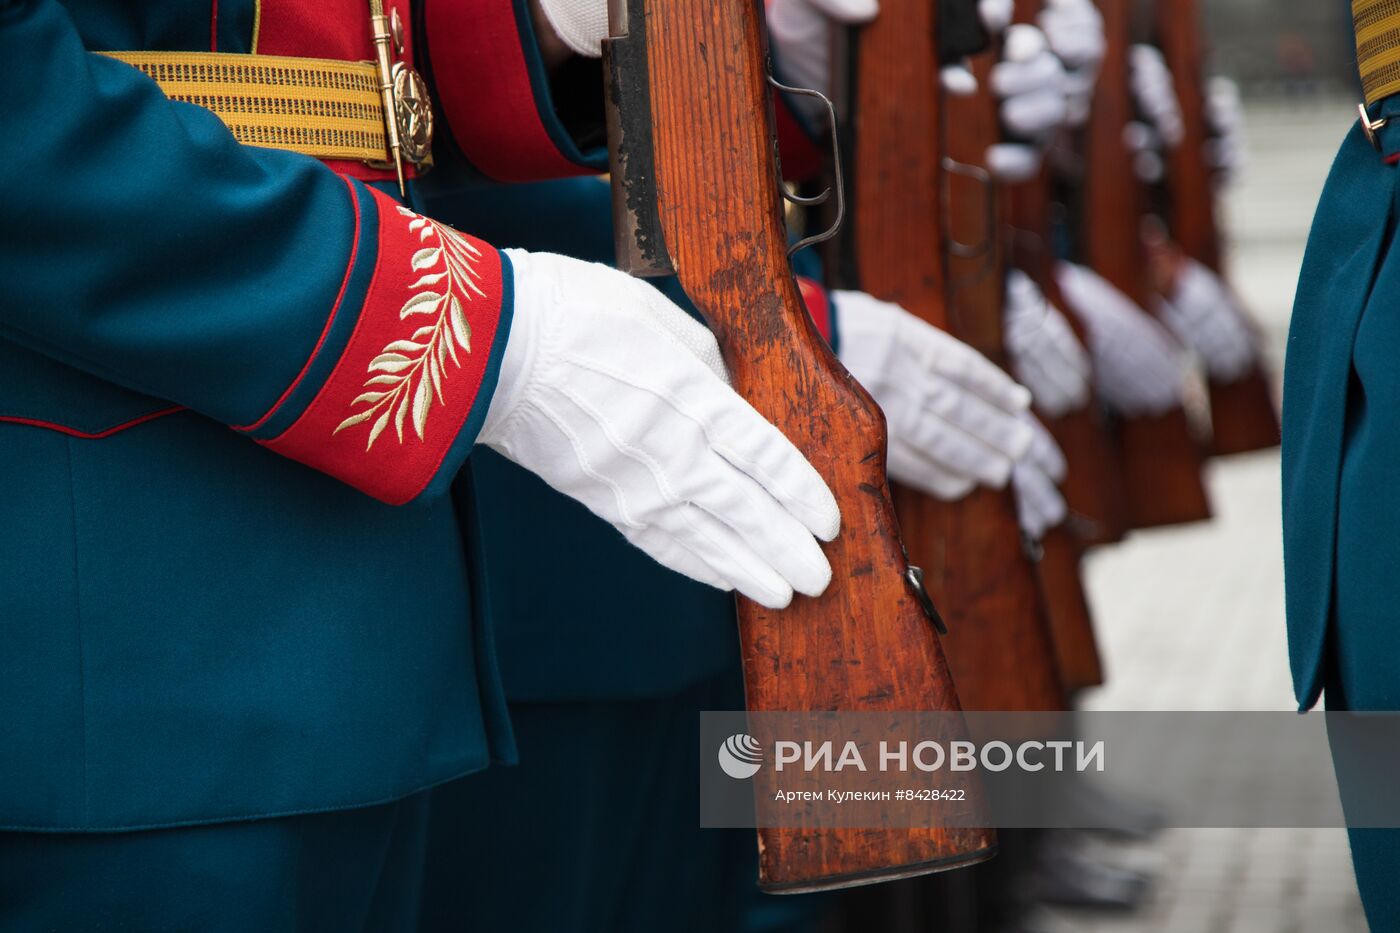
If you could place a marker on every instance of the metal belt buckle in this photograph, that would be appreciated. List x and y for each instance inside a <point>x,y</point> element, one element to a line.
<point>1370,127</point>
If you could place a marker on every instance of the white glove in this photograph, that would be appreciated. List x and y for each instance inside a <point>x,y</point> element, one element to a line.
<point>1013,162</point>
<point>1227,151</point>
<point>1075,31</point>
<point>957,80</point>
<point>1144,144</point>
<point>996,14</point>
<point>1202,314</point>
<point>954,418</point>
<point>1137,366</point>
<point>801,34</point>
<point>1029,81</point>
<point>582,25</point>
<point>614,396</point>
<point>1036,479</point>
<point>1045,355</point>
<point>1155,92</point>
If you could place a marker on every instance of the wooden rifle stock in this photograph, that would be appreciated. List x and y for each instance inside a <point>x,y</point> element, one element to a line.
<point>976,304</point>
<point>697,186</point>
<point>1242,413</point>
<point>1161,461</point>
<point>1092,486</point>
<point>998,644</point>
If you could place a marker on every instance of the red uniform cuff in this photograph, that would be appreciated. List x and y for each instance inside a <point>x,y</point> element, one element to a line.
<point>395,402</point>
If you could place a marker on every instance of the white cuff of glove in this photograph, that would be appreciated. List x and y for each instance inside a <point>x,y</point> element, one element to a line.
<point>1045,355</point>
<point>954,418</point>
<point>615,397</point>
<point>582,25</point>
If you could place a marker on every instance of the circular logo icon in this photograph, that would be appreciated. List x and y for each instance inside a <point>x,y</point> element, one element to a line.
<point>740,756</point>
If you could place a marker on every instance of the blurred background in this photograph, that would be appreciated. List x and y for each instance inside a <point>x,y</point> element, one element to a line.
<point>1192,618</point>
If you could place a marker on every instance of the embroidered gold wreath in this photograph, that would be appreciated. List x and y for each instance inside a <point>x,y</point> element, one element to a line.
<point>408,374</point>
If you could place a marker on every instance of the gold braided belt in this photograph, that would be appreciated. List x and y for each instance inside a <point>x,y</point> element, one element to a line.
<point>1377,24</point>
<point>318,107</point>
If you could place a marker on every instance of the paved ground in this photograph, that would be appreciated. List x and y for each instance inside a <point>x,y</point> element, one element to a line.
<point>1193,618</point>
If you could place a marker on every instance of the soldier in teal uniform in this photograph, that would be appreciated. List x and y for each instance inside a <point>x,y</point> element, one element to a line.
<point>1341,439</point>
<point>235,659</point>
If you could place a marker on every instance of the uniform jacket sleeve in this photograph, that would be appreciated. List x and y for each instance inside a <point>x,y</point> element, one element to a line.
<point>142,244</point>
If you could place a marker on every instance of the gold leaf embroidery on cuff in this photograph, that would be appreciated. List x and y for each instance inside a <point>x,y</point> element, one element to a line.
<point>409,372</point>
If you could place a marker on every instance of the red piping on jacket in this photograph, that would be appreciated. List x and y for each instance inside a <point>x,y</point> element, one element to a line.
<point>90,435</point>
<point>330,318</point>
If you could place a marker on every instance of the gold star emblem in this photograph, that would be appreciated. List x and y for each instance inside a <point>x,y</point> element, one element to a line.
<point>413,112</point>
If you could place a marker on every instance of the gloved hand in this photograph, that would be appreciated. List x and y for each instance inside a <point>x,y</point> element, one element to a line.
<point>1203,315</point>
<point>582,25</point>
<point>1029,81</point>
<point>1144,145</point>
<point>954,418</point>
<point>614,396</point>
<point>1227,151</point>
<point>1137,366</point>
<point>1036,479</point>
<point>1045,355</point>
<point>1155,94</point>
<point>1074,29</point>
<point>801,33</point>
<point>1154,90</point>
<point>996,15</point>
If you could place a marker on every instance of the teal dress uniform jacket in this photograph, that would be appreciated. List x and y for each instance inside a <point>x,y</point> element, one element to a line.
<point>205,624</point>
<point>1341,504</point>
<point>1341,447</point>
